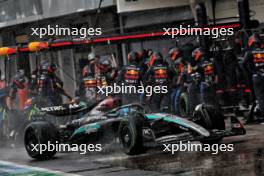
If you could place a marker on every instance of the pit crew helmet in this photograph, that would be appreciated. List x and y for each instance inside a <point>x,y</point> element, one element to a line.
<point>174,53</point>
<point>132,57</point>
<point>197,54</point>
<point>254,40</point>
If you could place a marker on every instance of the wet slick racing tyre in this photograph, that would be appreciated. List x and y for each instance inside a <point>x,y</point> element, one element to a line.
<point>211,119</point>
<point>37,133</point>
<point>130,135</point>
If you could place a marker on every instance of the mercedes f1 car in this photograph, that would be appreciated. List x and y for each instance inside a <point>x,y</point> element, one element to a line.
<point>135,128</point>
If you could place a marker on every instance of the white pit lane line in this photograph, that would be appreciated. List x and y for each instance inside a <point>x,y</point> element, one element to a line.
<point>9,168</point>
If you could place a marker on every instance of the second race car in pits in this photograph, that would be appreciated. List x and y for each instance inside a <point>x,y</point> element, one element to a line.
<point>135,128</point>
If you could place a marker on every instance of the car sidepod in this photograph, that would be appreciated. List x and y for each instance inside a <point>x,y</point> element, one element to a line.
<point>93,132</point>
<point>181,129</point>
<point>80,134</point>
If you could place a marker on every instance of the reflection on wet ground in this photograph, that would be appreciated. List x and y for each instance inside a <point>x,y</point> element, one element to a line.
<point>246,159</point>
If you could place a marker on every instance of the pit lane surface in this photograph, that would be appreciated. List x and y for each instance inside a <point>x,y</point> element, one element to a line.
<point>246,159</point>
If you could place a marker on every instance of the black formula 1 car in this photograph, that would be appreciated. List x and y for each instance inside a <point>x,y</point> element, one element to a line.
<point>131,124</point>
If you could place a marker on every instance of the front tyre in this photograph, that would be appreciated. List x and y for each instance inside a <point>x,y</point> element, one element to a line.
<point>211,119</point>
<point>130,135</point>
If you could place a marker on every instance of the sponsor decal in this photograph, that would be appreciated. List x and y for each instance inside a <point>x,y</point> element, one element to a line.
<point>53,108</point>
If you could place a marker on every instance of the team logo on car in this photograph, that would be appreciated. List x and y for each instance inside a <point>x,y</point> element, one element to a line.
<point>53,108</point>
<point>72,106</point>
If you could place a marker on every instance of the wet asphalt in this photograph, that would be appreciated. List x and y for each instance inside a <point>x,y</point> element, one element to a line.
<point>247,159</point>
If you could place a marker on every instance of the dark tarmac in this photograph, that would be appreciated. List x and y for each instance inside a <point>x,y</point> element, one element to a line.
<point>247,159</point>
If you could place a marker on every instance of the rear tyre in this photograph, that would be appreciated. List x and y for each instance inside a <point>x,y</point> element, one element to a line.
<point>38,133</point>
